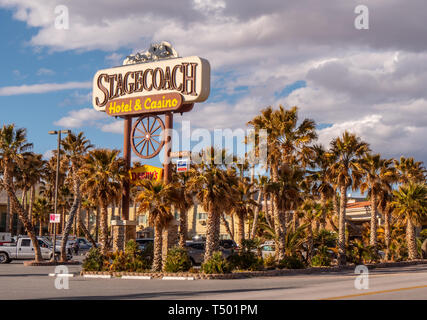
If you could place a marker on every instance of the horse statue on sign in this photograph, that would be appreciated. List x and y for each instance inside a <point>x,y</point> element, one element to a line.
<point>157,51</point>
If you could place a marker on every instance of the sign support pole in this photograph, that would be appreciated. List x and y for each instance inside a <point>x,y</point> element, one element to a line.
<point>126,156</point>
<point>168,147</point>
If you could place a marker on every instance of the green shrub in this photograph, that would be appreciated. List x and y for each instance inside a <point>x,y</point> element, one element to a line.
<point>322,258</point>
<point>177,260</point>
<point>291,262</point>
<point>216,264</point>
<point>245,261</point>
<point>94,260</point>
<point>270,262</point>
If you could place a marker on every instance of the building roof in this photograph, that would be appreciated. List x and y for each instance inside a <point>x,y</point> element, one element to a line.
<point>360,204</point>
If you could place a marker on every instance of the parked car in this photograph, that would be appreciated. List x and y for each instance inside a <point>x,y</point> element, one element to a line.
<point>5,237</point>
<point>23,249</point>
<point>196,250</point>
<point>228,244</point>
<point>267,250</point>
<point>143,242</point>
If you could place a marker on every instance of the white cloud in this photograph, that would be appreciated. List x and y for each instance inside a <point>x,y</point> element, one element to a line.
<point>371,81</point>
<point>43,88</point>
<point>114,127</point>
<point>81,118</point>
<point>45,72</point>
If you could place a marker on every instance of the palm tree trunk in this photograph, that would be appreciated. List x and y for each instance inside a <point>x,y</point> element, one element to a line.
<point>78,219</point>
<point>104,228</point>
<point>41,228</point>
<point>279,228</point>
<point>374,221</point>
<point>240,229</point>
<point>309,242</point>
<point>387,233</point>
<point>9,214</point>
<point>211,228</point>
<point>227,226</point>
<point>157,251</point>
<point>71,216</point>
<point>183,228</point>
<point>256,214</point>
<point>87,233</point>
<point>7,185</point>
<point>97,223</point>
<point>341,227</point>
<point>30,205</point>
<point>232,226</point>
<point>24,206</point>
<point>88,219</point>
<point>411,241</point>
<point>323,203</point>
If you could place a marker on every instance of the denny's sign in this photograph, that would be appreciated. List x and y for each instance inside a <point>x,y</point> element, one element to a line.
<point>155,87</point>
<point>145,172</point>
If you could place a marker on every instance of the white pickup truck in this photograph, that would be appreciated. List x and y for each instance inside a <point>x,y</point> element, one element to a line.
<point>23,249</point>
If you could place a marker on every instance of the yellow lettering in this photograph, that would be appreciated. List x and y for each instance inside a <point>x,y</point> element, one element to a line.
<point>146,103</point>
<point>137,105</point>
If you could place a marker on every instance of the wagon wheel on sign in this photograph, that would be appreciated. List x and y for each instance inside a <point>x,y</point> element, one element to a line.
<point>147,136</point>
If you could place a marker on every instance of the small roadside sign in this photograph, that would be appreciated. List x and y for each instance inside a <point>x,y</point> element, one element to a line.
<point>54,218</point>
<point>180,154</point>
<point>182,165</point>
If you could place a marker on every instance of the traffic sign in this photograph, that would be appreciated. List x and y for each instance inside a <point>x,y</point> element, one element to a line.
<point>54,218</point>
<point>182,165</point>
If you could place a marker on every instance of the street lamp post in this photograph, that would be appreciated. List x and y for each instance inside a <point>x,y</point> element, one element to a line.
<point>56,185</point>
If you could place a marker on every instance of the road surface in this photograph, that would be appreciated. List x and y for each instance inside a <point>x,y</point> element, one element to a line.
<point>410,282</point>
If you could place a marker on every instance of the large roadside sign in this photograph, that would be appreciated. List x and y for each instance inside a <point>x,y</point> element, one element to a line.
<point>153,87</point>
<point>145,172</point>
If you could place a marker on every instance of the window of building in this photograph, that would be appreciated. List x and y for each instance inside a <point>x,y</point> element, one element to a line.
<point>142,219</point>
<point>202,215</point>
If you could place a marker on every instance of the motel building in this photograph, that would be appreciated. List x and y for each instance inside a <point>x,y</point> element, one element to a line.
<point>196,221</point>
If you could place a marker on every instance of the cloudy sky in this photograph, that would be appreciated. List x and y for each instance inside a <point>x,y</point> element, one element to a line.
<point>306,53</point>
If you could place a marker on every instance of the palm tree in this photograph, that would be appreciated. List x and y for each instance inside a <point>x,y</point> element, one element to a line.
<point>102,174</point>
<point>347,150</point>
<point>156,198</point>
<point>42,207</point>
<point>183,201</point>
<point>242,205</point>
<point>312,212</point>
<point>210,184</point>
<point>76,147</point>
<point>284,140</point>
<point>13,148</point>
<point>379,175</point>
<point>410,203</point>
<point>320,176</point>
<point>30,170</point>
<point>410,170</point>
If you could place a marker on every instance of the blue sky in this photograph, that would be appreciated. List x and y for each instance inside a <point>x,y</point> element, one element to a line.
<point>371,82</point>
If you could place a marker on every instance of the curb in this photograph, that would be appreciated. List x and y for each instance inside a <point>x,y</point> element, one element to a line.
<point>135,277</point>
<point>178,278</point>
<point>97,276</point>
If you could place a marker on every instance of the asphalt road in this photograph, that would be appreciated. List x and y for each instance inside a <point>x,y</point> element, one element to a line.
<point>20,282</point>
